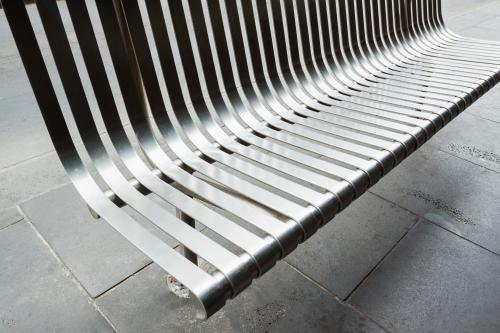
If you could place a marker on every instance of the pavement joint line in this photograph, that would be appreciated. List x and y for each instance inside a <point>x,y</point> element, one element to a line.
<point>476,8</point>
<point>462,237</point>
<point>11,224</point>
<point>102,294</point>
<point>417,219</point>
<point>439,148</point>
<point>426,219</point>
<point>393,203</point>
<point>483,118</point>
<point>67,272</point>
<point>460,157</point>
<point>19,219</point>
<point>380,262</point>
<point>339,300</point>
<point>58,186</point>
<point>29,159</point>
<point>52,151</point>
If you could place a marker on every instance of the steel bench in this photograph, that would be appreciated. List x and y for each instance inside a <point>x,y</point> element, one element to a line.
<point>260,119</point>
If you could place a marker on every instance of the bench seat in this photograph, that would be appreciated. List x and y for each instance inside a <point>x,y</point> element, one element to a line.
<point>259,119</point>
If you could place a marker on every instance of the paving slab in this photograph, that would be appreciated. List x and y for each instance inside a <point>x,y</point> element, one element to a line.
<point>30,178</point>
<point>341,254</point>
<point>487,106</point>
<point>22,131</point>
<point>480,33</point>
<point>492,24</point>
<point>36,295</point>
<point>434,281</point>
<point>456,7</point>
<point>460,196</point>
<point>14,79</point>
<point>281,301</point>
<point>97,255</point>
<point>472,138</point>
<point>478,14</point>
<point>492,7</point>
<point>462,22</point>
<point>5,33</point>
<point>9,216</point>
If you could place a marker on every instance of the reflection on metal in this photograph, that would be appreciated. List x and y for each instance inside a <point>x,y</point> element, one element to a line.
<point>260,119</point>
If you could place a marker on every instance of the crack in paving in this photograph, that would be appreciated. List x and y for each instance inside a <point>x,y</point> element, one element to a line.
<point>439,204</point>
<point>475,152</point>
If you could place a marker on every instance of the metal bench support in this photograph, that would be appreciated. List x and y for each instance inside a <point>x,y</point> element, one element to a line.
<point>174,285</point>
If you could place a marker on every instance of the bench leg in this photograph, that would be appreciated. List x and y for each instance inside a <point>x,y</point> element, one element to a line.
<point>175,286</point>
<point>191,256</point>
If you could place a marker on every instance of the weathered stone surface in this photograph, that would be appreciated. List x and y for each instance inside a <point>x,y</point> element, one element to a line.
<point>460,196</point>
<point>36,295</point>
<point>341,254</point>
<point>434,282</point>
<point>281,301</point>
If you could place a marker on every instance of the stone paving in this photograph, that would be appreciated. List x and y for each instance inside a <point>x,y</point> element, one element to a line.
<point>419,253</point>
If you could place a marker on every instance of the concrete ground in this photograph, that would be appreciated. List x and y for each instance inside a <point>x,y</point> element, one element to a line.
<point>419,253</point>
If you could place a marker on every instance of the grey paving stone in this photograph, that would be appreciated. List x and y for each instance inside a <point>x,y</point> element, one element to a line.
<point>9,216</point>
<point>39,175</point>
<point>462,23</point>
<point>455,7</point>
<point>492,24</point>
<point>4,28</point>
<point>464,16</point>
<point>480,33</point>
<point>87,245</point>
<point>455,193</point>
<point>493,8</point>
<point>434,281</point>
<point>96,254</point>
<point>472,138</point>
<point>487,106</point>
<point>281,301</point>
<point>466,20</point>
<point>28,179</point>
<point>14,80</point>
<point>35,294</point>
<point>341,254</point>
<point>22,131</point>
